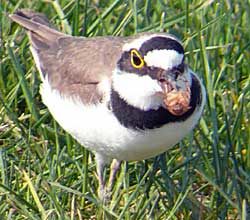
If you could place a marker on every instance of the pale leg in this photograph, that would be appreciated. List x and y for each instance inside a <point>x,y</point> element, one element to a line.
<point>114,168</point>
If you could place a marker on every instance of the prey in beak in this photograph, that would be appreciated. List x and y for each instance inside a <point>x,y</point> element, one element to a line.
<point>176,92</point>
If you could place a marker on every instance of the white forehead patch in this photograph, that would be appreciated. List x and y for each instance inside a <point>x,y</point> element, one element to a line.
<point>165,59</point>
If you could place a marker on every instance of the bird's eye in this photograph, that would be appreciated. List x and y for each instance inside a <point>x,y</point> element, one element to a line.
<point>136,59</point>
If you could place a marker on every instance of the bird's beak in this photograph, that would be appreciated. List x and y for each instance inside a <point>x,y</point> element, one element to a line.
<point>176,92</point>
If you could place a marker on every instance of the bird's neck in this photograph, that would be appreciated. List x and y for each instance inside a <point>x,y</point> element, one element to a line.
<point>135,118</point>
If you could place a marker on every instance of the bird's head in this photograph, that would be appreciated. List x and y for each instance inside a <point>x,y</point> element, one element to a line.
<point>151,73</point>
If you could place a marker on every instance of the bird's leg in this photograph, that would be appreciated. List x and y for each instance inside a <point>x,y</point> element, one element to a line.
<point>100,165</point>
<point>105,192</point>
<point>101,186</point>
<point>114,168</point>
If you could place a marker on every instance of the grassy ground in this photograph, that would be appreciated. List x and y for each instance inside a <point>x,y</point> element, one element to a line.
<point>45,174</point>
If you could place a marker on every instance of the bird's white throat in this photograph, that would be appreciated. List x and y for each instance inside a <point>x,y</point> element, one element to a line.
<point>138,91</point>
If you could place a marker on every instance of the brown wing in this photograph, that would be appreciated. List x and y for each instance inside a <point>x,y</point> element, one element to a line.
<point>75,66</point>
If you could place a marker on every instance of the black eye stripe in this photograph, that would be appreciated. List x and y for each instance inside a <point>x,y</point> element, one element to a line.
<point>132,64</point>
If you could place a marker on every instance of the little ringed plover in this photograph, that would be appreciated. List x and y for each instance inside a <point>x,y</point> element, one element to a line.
<point>123,98</point>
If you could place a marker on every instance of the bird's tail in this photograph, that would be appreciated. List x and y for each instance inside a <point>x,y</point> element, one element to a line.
<point>41,32</point>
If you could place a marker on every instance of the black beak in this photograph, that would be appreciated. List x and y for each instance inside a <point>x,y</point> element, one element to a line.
<point>171,74</point>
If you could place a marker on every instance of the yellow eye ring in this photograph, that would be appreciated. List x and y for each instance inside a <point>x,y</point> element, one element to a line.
<point>136,59</point>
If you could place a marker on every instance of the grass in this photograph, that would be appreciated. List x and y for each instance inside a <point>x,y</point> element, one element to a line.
<point>45,174</point>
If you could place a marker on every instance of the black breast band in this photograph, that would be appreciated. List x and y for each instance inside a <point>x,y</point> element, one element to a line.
<point>135,118</point>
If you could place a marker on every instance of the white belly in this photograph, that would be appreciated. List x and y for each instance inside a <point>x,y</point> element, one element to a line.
<point>96,128</point>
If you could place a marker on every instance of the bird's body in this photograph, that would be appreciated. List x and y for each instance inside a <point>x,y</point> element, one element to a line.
<point>122,98</point>
<point>104,134</point>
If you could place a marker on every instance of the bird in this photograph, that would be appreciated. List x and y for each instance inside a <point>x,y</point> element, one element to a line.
<point>123,98</point>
